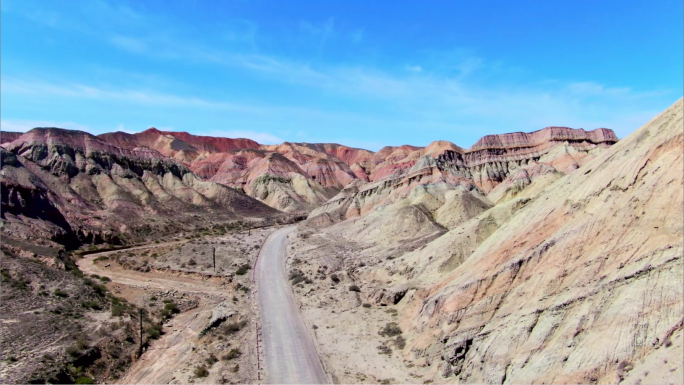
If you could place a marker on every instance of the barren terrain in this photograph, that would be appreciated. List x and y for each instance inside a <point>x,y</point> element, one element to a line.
<point>576,279</point>
<point>189,341</point>
<point>553,256</point>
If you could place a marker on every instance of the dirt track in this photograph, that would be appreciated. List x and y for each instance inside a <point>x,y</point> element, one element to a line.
<point>291,355</point>
<point>160,362</point>
<point>289,350</point>
<point>173,358</point>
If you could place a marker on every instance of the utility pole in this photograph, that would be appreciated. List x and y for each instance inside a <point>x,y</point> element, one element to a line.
<point>141,333</point>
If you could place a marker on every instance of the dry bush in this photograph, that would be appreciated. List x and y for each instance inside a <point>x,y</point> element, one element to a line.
<point>391,329</point>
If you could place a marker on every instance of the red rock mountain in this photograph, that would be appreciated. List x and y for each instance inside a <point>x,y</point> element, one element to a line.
<point>71,187</point>
<point>304,176</point>
<point>301,177</point>
<point>8,136</point>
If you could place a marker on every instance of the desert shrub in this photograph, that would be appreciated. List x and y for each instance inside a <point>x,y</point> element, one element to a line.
<point>308,281</point>
<point>100,289</point>
<point>84,380</point>
<point>354,288</point>
<point>334,278</point>
<point>242,270</point>
<point>154,331</point>
<point>391,329</point>
<point>192,262</point>
<point>73,350</point>
<point>232,354</point>
<point>182,265</point>
<point>169,309</point>
<point>105,279</point>
<point>95,276</point>
<point>294,274</point>
<point>234,327</point>
<point>235,368</point>
<point>297,280</point>
<point>384,349</point>
<point>201,371</point>
<point>400,342</point>
<point>95,305</point>
<point>118,309</point>
<point>153,298</point>
<point>60,293</point>
<point>211,360</point>
<point>235,299</point>
<point>668,343</point>
<point>366,305</point>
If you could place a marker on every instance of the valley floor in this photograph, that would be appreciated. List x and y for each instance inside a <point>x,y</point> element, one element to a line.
<point>186,343</point>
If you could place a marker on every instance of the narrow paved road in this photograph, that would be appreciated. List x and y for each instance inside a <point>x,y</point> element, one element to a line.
<point>290,353</point>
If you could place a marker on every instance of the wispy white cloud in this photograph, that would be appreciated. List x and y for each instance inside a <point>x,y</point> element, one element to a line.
<point>322,32</point>
<point>129,44</point>
<point>241,32</point>
<point>415,68</point>
<point>12,86</point>
<point>27,125</point>
<point>440,93</point>
<point>441,104</point>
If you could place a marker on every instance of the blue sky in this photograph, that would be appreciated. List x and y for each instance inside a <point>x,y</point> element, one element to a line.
<point>360,73</point>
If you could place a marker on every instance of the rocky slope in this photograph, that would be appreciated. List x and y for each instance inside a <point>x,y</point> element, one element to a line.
<point>66,190</point>
<point>70,188</point>
<point>307,175</point>
<point>499,166</point>
<point>577,278</point>
<point>299,177</point>
<point>8,136</point>
<point>586,276</point>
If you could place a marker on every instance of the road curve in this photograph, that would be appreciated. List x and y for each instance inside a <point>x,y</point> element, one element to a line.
<point>290,353</point>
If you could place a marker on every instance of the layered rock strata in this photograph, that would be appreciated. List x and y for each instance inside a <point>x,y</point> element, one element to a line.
<point>73,187</point>
<point>513,161</point>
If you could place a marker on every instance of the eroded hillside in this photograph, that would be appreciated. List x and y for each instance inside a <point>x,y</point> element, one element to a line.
<point>576,278</point>
<point>553,256</point>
